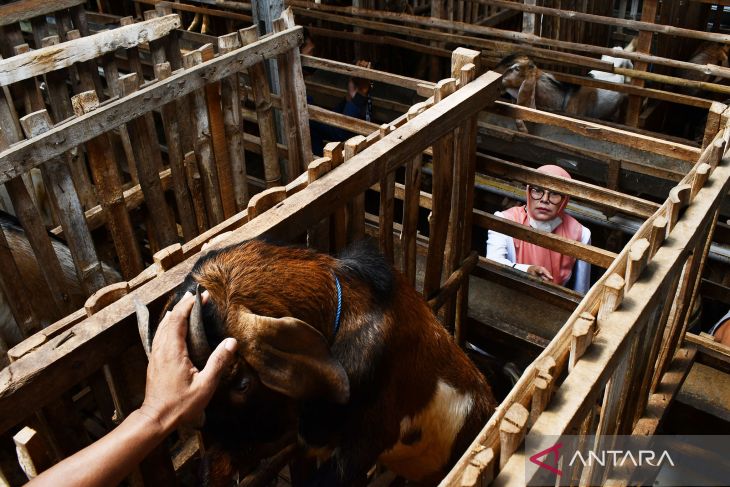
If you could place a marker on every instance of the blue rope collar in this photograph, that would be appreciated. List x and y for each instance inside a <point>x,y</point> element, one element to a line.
<point>339,305</point>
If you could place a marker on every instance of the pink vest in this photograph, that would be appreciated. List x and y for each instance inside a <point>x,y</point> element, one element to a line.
<point>559,265</point>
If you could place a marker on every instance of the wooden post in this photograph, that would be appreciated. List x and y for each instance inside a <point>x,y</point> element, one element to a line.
<point>387,194</point>
<point>109,189</point>
<point>583,330</point>
<point>195,184</point>
<point>442,180</point>
<point>637,260</point>
<point>233,124</point>
<point>701,174</point>
<point>643,45</point>
<point>542,388</point>
<point>679,198</point>
<point>512,430</point>
<point>173,133</point>
<point>335,151</point>
<point>318,237</point>
<point>264,113</point>
<point>57,179</point>
<point>612,295</point>
<point>658,234</point>
<point>356,207</point>
<point>32,452</point>
<point>218,139</point>
<point>713,125</point>
<point>204,148</point>
<point>149,163</point>
<point>411,206</point>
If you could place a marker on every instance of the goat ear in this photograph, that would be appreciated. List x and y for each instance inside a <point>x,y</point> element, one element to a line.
<point>293,358</point>
<point>526,93</point>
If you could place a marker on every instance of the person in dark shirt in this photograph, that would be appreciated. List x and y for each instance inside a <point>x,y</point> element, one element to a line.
<point>357,103</point>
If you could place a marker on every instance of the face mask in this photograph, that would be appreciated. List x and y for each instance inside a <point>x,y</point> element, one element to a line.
<point>546,226</point>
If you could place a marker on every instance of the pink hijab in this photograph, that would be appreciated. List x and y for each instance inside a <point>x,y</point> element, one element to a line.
<point>559,265</point>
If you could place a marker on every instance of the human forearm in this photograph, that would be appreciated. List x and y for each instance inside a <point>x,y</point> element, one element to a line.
<point>107,461</point>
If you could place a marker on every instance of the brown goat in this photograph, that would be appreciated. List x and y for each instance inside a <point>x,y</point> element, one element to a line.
<point>341,350</point>
<point>532,87</point>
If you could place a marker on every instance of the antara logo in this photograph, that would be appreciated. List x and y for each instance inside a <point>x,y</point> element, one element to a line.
<point>614,458</point>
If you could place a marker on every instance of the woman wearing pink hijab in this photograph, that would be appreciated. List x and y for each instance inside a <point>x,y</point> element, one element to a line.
<point>545,210</point>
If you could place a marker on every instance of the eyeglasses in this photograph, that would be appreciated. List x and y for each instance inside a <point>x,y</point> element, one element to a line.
<point>536,193</point>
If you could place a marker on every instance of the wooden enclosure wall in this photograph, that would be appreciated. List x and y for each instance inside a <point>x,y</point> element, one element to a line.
<point>324,207</point>
<point>81,152</point>
<point>632,325</point>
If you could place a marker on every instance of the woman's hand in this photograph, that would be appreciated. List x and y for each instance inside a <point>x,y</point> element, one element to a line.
<point>176,392</point>
<point>540,272</point>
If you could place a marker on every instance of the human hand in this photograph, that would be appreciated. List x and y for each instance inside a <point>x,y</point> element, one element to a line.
<point>176,392</point>
<point>540,272</point>
<point>359,85</point>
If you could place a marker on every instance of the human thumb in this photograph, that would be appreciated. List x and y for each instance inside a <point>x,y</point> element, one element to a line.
<point>221,358</point>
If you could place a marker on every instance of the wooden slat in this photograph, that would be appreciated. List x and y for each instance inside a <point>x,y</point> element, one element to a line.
<point>27,383</point>
<point>108,180</point>
<point>29,153</point>
<point>26,9</point>
<point>64,55</point>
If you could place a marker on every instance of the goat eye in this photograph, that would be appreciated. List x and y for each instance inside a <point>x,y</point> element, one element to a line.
<point>243,385</point>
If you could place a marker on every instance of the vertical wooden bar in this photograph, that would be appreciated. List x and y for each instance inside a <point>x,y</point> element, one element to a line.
<point>512,430</point>
<point>643,45</point>
<point>712,126</point>
<point>234,124</point>
<point>195,184</point>
<point>318,237</point>
<point>442,181</point>
<point>356,207</point>
<point>583,330</point>
<point>32,452</point>
<point>290,76</point>
<point>32,98</point>
<point>109,188</point>
<point>16,294</point>
<point>218,139</point>
<point>612,295</point>
<point>637,260</point>
<point>57,178</point>
<point>335,151</point>
<point>264,113</point>
<point>149,163</point>
<point>387,194</point>
<point>204,148</point>
<point>171,126</point>
<point>679,198</point>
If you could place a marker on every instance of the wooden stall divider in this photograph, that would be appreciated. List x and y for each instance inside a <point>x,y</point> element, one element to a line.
<point>218,138</point>
<point>204,147</point>
<point>356,207</point>
<point>543,384</point>
<point>173,131</point>
<point>658,234</point>
<point>442,183</point>
<point>108,181</point>
<point>57,179</point>
<point>234,124</point>
<point>264,112</point>
<point>264,200</point>
<point>701,175</point>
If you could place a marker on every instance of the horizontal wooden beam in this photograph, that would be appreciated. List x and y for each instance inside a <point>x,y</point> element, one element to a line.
<point>34,380</point>
<point>600,132</point>
<point>25,155</point>
<point>630,205</point>
<point>588,253</point>
<point>27,9</point>
<point>59,56</point>
<point>184,7</point>
<point>708,346</point>
<point>358,71</point>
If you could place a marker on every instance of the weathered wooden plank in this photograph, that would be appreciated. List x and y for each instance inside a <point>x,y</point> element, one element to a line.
<point>149,163</point>
<point>264,113</point>
<point>171,126</point>
<point>64,55</point>
<point>29,153</point>
<point>27,9</point>
<point>234,125</point>
<point>32,452</point>
<point>108,180</point>
<point>27,382</point>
